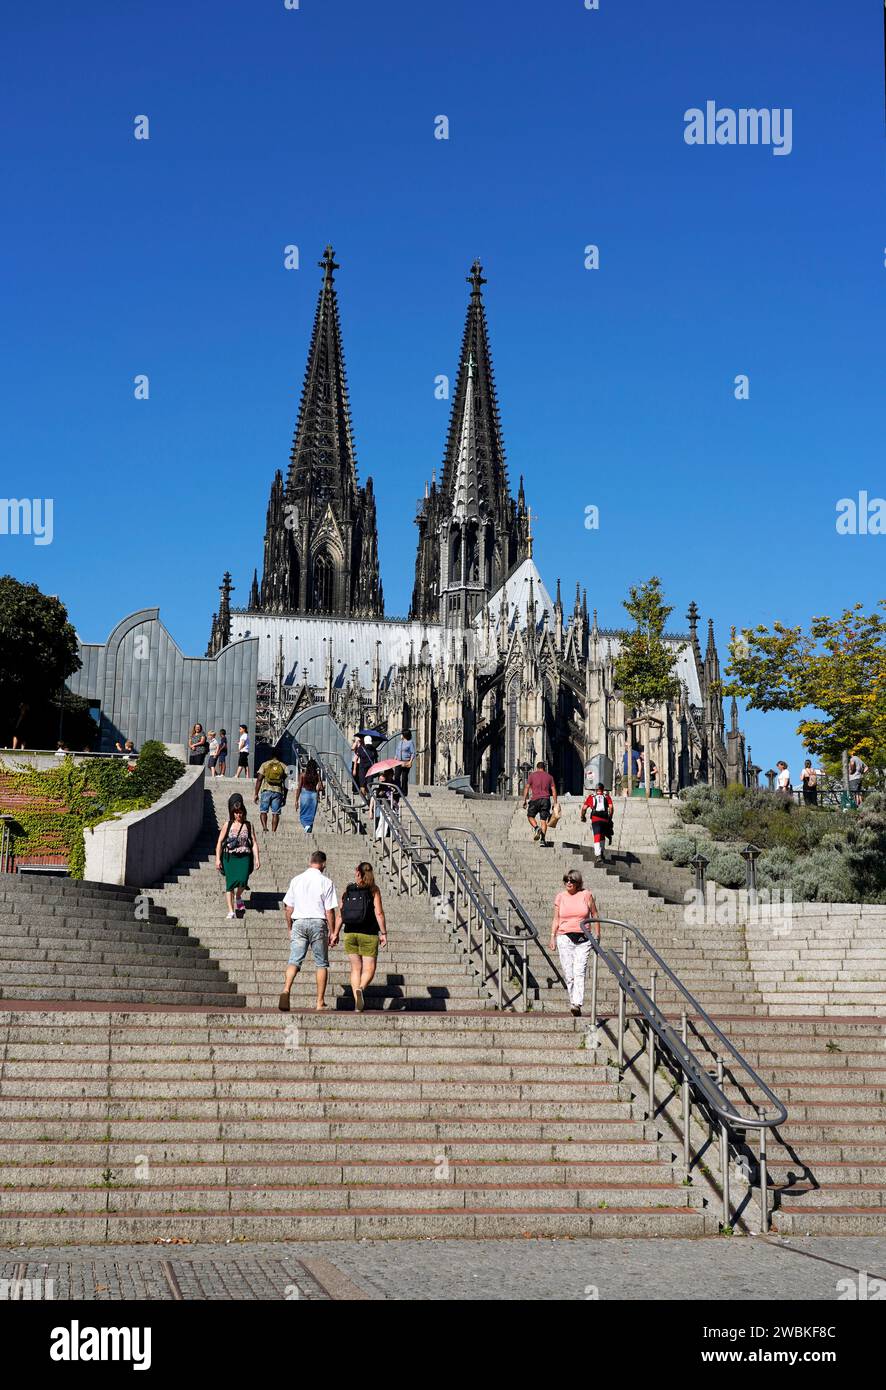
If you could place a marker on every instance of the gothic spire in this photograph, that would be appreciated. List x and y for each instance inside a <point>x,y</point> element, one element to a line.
<point>321,543</point>
<point>466,484</point>
<point>476,383</point>
<point>323,461</point>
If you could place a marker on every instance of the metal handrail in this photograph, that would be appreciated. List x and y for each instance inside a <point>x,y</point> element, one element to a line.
<point>695,1077</point>
<point>416,855</point>
<point>482,907</point>
<point>513,901</point>
<point>628,981</point>
<point>345,805</point>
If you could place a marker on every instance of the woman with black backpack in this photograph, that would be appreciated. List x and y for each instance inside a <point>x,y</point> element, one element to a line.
<point>236,855</point>
<point>362,918</point>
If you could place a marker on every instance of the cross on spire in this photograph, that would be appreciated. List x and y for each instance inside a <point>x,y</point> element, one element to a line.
<point>475,279</point>
<point>328,264</point>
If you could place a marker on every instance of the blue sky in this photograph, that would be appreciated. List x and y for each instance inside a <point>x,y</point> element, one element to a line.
<point>272,127</point>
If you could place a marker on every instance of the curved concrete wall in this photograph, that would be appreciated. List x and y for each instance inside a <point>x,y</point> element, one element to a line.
<point>139,847</point>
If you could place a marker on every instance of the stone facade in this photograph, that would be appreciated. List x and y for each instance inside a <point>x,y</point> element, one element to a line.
<point>488,671</point>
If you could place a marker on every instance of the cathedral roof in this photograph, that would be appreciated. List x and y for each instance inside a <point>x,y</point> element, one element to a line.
<point>514,594</point>
<point>355,644</point>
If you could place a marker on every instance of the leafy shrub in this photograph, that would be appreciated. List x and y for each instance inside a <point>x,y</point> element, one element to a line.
<point>726,867</point>
<point>774,867</point>
<point>696,803</point>
<point>823,876</point>
<point>155,772</point>
<point>678,847</point>
<point>865,850</point>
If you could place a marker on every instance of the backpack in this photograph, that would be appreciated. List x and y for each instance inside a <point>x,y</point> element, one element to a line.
<point>275,773</point>
<point>356,906</point>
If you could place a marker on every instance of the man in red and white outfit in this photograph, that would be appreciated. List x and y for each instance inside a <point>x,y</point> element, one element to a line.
<point>599,803</point>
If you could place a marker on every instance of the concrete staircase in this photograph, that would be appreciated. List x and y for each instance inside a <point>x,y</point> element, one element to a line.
<point>419,970</point>
<point>260,1126</point>
<point>711,961</point>
<point>803,1009</point>
<point>63,940</point>
<point>432,1114</point>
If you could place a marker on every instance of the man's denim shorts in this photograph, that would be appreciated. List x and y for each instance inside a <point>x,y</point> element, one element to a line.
<point>313,932</point>
<point>271,801</point>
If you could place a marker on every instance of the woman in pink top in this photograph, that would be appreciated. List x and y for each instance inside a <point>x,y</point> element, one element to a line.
<point>574,905</point>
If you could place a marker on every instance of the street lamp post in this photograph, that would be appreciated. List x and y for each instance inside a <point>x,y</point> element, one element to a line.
<point>698,865</point>
<point>750,854</point>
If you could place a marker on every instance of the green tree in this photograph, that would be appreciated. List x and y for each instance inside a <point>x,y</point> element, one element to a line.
<point>837,666</point>
<point>645,668</point>
<point>38,651</point>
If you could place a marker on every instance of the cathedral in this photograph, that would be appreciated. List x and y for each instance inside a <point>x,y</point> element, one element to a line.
<point>488,671</point>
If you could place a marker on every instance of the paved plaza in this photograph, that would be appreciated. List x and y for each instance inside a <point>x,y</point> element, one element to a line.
<point>818,1269</point>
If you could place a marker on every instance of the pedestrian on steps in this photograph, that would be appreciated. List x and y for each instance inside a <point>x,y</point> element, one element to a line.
<point>600,808</point>
<point>236,855</point>
<point>538,794</point>
<point>270,780</point>
<point>309,907</point>
<point>198,746</point>
<point>362,917</point>
<point>242,753</point>
<point>310,787</point>
<point>809,779</point>
<point>361,763</point>
<point>573,906</point>
<point>221,762</point>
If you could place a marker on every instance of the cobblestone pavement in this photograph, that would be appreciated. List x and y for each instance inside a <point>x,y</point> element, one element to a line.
<point>768,1270</point>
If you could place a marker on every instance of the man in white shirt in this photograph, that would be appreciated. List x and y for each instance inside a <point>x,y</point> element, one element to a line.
<point>309,906</point>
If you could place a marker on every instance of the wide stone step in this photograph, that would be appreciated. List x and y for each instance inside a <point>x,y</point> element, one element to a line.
<point>299,1083</point>
<point>432,1124</point>
<point>47,1154</point>
<point>225,990</point>
<point>299,1173</point>
<point>445,1195</point>
<point>418,1223</point>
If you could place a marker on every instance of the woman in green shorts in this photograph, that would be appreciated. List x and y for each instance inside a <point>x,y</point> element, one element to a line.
<point>362,918</point>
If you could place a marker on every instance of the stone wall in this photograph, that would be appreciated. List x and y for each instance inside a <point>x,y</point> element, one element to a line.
<point>139,847</point>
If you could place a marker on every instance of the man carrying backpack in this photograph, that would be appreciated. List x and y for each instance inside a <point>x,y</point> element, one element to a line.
<point>273,774</point>
<point>599,803</point>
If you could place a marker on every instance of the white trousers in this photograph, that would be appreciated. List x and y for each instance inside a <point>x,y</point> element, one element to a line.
<point>574,960</point>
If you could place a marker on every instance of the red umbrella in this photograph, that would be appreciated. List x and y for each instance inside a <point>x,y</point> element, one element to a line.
<point>384,766</point>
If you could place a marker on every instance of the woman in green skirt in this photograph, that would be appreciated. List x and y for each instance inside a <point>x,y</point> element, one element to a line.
<point>236,855</point>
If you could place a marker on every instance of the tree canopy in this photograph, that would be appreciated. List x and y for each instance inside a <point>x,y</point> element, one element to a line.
<point>645,665</point>
<point>836,666</point>
<point>38,649</point>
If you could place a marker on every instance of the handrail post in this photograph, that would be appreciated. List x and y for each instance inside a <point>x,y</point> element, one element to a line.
<point>525,973</point>
<point>621,1007</point>
<point>764,1178</point>
<point>594,966</point>
<point>498,943</point>
<point>724,1150</point>
<point>687,1103</point>
<point>651,1049</point>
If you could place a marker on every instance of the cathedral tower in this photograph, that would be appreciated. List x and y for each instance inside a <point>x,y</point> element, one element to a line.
<point>321,542</point>
<point>472,533</point>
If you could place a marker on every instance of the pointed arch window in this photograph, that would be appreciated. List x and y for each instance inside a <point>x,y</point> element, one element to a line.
<point>455,556</point>
<point>324,582</point>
